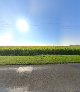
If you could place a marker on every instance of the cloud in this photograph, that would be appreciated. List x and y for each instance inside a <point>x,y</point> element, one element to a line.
<point>6,39</point>
<point>38,6</point>
<point>69,41</point>
<point>29,44</point>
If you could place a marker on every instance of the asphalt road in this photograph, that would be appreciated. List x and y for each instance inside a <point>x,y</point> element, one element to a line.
<point>40,78</point>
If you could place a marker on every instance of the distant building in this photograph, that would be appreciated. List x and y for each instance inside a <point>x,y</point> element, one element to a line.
<point>74,45</point>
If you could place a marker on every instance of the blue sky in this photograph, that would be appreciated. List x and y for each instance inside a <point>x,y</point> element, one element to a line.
<point>51,22</point>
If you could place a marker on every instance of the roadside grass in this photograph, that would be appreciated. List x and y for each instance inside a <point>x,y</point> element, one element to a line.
<point>39,60</point>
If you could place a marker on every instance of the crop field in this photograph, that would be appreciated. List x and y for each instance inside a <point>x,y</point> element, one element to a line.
<point>14,55</point>
<point>39,50</point>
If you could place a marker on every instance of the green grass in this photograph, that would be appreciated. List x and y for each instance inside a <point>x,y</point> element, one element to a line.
<point>38,50</point>
<point>38,60</point>
<point>18,55</point>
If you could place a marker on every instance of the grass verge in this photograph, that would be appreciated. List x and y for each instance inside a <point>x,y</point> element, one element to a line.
<point>38,60</point>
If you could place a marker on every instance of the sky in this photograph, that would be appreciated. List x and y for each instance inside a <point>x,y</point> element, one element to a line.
<point>49,22</point>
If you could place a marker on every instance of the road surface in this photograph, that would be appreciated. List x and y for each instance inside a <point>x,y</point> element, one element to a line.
<point>40,78</point>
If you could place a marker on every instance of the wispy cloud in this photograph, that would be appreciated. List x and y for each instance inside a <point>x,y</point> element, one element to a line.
<point>38,6</point>
<point>29,44</point>
<point>6,38</point>
<point>66,41</point>
<point>41,6</point>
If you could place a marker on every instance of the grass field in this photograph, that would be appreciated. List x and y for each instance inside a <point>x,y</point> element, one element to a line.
<point>14,55</point>
<point>38,60</point>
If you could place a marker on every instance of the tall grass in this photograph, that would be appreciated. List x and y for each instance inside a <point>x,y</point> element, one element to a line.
<point>39,50</point>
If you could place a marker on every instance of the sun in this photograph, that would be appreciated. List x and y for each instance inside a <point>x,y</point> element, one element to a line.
<point>22,25</point>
